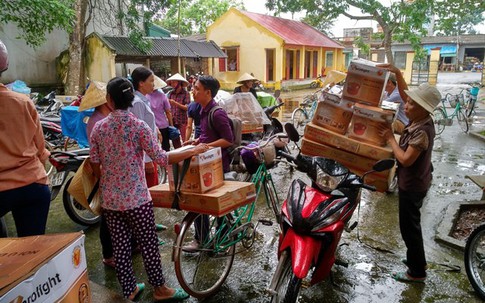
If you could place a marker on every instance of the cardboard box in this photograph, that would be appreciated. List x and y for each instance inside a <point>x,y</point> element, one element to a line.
<point>355,163</point>
<point>204,173</point>
<point>366,122</point>
<point>217,202</point>
<point>365,83</point>
<point>247,128</point>
<point>349,160</point>
<point>324,136</point>
<point>333,113</point>
<point>49,268</point>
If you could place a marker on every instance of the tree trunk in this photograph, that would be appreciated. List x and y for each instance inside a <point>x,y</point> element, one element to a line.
<point>76,48</point>
<point>387,45</point>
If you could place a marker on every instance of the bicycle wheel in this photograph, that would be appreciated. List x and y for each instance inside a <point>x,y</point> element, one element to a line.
<point>475,260</point>
<point>462,120</point>
<point>299,119</point>
<point>288,286</point>
<point>76,211</point>
<point>470,107</point>
<point>439,120</point>
<point>202,272</point>
<point>273,199</point>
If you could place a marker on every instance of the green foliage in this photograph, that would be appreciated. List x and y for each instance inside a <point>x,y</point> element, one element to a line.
<point>459,17</point>
<point>195,15</point>
<point>364,47</point>
<point>35,18</point>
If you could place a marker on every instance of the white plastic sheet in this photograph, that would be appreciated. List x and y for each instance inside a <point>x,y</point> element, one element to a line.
<point>245,107</point>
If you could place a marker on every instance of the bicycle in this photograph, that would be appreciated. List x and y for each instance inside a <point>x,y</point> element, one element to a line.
<point>442,118</point>
<point>304,113</point>
<point>475,250</point>
<point>470,98</point>
<point>202,272</point>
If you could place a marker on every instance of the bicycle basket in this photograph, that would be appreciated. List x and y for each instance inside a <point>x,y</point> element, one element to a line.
<point>452,99</point>
<point>474,91</point>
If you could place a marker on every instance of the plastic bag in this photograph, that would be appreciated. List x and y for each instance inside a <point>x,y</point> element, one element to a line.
<point>245,107</point>
<point>19,86</point>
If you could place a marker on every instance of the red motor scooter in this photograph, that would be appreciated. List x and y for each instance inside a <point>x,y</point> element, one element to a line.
<point>313,219</point>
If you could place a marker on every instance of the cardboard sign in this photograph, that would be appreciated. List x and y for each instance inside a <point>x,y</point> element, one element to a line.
<point>205,172</point>
<point>217,202</point>
<point>48,268</point>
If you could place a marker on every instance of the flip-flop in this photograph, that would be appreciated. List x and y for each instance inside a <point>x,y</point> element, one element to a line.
<point>160,227</point>
<point>140,287</point>
<point>179,295</point>
<point>405,277</point>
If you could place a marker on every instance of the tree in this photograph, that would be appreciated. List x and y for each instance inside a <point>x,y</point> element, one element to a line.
<point>400,20</point>
<point>196,15</point>
<point>35,18</point>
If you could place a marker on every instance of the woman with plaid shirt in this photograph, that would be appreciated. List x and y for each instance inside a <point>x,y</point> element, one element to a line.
<point>179,99</point>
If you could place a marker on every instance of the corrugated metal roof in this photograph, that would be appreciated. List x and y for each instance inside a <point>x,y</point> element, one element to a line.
<point>164,47</point>
<point>294,32</point>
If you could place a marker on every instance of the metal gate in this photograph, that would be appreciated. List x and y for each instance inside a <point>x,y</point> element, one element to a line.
<point>420,72</point>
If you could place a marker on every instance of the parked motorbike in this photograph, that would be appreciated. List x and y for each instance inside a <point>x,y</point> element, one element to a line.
<point>313,219</point>
<point>67,163</point>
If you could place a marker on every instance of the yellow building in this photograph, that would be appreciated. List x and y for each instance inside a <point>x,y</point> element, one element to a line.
<point>277,51</point>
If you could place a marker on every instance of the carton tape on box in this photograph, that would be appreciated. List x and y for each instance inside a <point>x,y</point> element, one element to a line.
<point>324,136</point>
<point>204,173</point>
<point>367,121</point>
<point>365,82</point>
<point>48,268</point>
<point>217,202</point>
<point>333,113</point>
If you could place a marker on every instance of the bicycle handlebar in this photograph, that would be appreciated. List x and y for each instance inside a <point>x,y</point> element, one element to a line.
<point>262,144</point>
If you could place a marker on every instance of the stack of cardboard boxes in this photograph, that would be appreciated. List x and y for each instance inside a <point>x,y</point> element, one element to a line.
<point>203,189</point>
<point>347,129</point>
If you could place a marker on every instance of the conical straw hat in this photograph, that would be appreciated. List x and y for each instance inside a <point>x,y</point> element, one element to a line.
<point>159,83</point>
<point>334,76</point>
<point>246,77</point>
<point>177,77</point>
<point>94,96</point>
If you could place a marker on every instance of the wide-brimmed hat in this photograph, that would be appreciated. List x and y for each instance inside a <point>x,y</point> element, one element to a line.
<point>95,96</point>
<point>159,83</point>
<point>427,96</point>
<point>246,77</point>
<point>177,77</point>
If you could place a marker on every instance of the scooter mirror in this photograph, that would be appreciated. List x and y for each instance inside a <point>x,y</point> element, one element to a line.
<point>383,165</point>
<point>292,132</point>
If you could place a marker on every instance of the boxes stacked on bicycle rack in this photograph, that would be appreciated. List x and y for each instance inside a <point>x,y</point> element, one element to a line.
<point>217,202</point>
<point>203,188</point>
<point>346,129</point>
<point>48,268</point>
<point>204,173</point>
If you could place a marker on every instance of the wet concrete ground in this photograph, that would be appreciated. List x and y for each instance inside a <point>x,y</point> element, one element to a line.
<point>373,250</point>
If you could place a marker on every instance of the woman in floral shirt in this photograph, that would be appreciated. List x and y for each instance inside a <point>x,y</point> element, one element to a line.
<point>117,146</point>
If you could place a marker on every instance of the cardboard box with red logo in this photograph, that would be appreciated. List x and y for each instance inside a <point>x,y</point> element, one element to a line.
<point>355,163</point>
<point>324,136</point>
<point>204,173</point>
<point>48,268</point>
<point>333,113</point>
<point>365,82</point>
<point>217,202</point>
<point>367,122</point>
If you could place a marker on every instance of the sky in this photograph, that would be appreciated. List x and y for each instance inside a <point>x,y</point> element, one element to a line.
<point>258,6</point>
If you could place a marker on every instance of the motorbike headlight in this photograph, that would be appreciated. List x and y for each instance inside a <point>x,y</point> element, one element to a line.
<point>326,182</point>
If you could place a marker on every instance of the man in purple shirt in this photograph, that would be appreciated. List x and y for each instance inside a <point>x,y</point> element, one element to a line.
<point>220,134</point>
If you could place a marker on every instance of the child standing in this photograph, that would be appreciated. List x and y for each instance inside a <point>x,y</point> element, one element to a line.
<point>413,155</point>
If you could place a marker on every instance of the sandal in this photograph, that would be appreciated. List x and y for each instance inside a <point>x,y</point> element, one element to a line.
<point>110,262</point>
<point>160,227</point>
<point>179,295</point>
<point>405,277</point>
<point>138,290</point>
